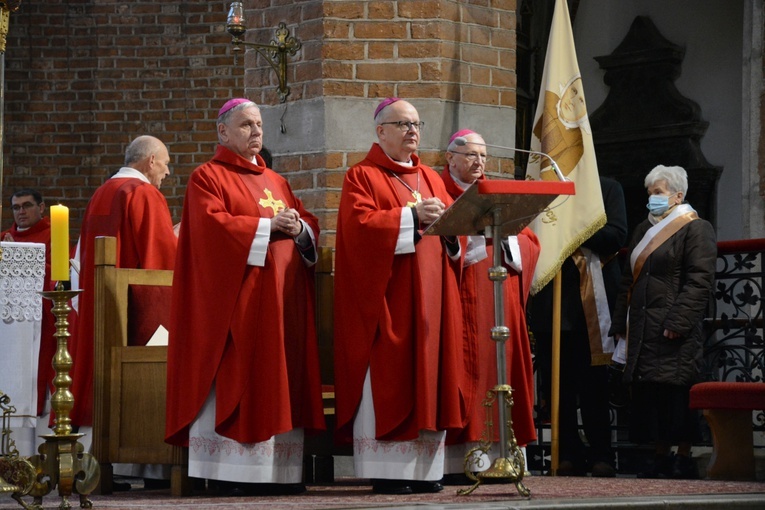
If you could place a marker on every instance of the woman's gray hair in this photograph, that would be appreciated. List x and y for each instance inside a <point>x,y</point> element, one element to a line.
<point>676,177</point>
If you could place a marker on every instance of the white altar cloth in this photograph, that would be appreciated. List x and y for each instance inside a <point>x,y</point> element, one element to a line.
<point>22,275</point>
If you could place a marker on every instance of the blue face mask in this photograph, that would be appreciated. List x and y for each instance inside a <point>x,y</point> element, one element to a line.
<point>658,204</point>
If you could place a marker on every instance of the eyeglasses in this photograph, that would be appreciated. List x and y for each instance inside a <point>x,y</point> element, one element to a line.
<point>26,206</point>
<point>405,125</point>
<point>471,156</point>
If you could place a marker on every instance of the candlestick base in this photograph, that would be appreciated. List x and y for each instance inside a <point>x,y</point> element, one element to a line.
<point>62,463</point>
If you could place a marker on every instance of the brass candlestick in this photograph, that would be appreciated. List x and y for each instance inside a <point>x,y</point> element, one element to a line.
<point>62,461</point>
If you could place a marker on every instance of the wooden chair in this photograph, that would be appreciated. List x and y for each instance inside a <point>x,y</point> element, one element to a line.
<point>129,381</point>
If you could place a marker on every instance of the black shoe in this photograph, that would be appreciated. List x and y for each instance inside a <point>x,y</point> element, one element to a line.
<point>385,486</point>
<point>230,489</point>
<point>569,468</point>
<point>603,470</point>
<point>120,486</point>
<point>273,489</point>
<point>661,468</point>
<point>684,468</point>
<point>456,479</point>
<point>425,487</point>
<point>153,484</point>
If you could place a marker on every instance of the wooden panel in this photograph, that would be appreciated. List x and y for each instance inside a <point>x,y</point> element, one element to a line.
<point>138,406</point>
<point>324,319</point>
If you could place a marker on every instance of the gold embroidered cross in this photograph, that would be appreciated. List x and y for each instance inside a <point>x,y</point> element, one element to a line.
<point>269,201</point>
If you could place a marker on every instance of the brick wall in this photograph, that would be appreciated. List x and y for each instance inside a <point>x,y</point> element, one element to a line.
<point>84,77</point>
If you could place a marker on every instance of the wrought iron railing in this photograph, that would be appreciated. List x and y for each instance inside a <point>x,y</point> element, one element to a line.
<point>735,349</point>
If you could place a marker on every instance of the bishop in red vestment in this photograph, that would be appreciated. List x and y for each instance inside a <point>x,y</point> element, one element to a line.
<point>397,321</point>
<point>465,165</point>
<point>130,207</point>
<point>243,349</point>
<point>29,226</point>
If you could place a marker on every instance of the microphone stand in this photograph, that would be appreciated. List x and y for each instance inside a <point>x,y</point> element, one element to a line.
<point>461,141</point>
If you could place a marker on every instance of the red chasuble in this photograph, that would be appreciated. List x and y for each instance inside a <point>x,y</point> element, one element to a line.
<point>248,330</point>
<point>40,233</point>
<point>480,351</point>
<point>396,315</point>
<point>136,213</point>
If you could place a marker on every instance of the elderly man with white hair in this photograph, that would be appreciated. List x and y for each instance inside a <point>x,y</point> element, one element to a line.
<point>664,293</point>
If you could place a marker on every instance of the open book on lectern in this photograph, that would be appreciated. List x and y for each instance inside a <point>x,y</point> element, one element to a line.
<point>514,203</point>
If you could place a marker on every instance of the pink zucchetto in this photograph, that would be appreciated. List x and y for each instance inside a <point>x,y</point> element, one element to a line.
<point>462,132</point>
<point>385,102</point>
<point>232,103</point>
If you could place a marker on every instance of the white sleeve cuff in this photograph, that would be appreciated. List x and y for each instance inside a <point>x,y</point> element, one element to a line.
<point>405,242</point>
<point>476,250</point>
<point>259,247</point>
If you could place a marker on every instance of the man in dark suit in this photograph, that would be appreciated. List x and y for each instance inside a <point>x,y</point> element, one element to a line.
<point>585,348</point>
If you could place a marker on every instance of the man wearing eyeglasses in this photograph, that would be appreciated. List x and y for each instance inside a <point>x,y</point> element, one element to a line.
<point>464,166</point>
<point>398,342</point>
<point>28,207</point>
<point>30,226</point>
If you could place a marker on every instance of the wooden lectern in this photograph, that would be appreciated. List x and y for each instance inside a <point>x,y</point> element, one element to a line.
<point>496,209</point>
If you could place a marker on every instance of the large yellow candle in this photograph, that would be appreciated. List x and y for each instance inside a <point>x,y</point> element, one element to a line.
<point>59,243</point>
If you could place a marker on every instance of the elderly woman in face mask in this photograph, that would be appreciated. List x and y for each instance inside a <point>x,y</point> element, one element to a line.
<point>664,293</point>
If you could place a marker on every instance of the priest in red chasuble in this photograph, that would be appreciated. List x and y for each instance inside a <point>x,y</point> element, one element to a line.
<point>398,330</point>
<point>243,369</point>
<point>130,207</point>
<point>465,165</point>
<point>30,226</point>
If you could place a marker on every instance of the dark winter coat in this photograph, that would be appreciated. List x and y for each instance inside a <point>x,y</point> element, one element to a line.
<point>672,292</point>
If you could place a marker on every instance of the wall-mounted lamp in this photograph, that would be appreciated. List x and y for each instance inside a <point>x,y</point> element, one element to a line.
<point>275,53</point>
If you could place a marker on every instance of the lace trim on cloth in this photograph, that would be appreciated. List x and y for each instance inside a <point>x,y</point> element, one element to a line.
<point>22,275</point>
<point>212,446</point>
<point>420,447</point>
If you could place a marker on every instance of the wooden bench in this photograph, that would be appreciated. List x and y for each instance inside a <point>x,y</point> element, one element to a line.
<point>728,409</point>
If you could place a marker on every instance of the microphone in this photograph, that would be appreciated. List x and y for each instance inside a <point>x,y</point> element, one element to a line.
<point>461,141</point>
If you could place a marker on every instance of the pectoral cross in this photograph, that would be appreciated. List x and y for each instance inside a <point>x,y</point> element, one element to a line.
<point>417,199</point>
<point>269,201</point>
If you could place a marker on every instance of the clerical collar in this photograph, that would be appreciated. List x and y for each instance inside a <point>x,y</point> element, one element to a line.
<point>402,163</point>
<point>463,185</point>
<point>127,172</point>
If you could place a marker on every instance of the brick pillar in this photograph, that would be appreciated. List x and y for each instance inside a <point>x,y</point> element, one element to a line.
<point>454,61</point>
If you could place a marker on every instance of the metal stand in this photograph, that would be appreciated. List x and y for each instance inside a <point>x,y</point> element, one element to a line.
<point>62,462</point>
<point>497,208</point>
<point>510,465</point>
